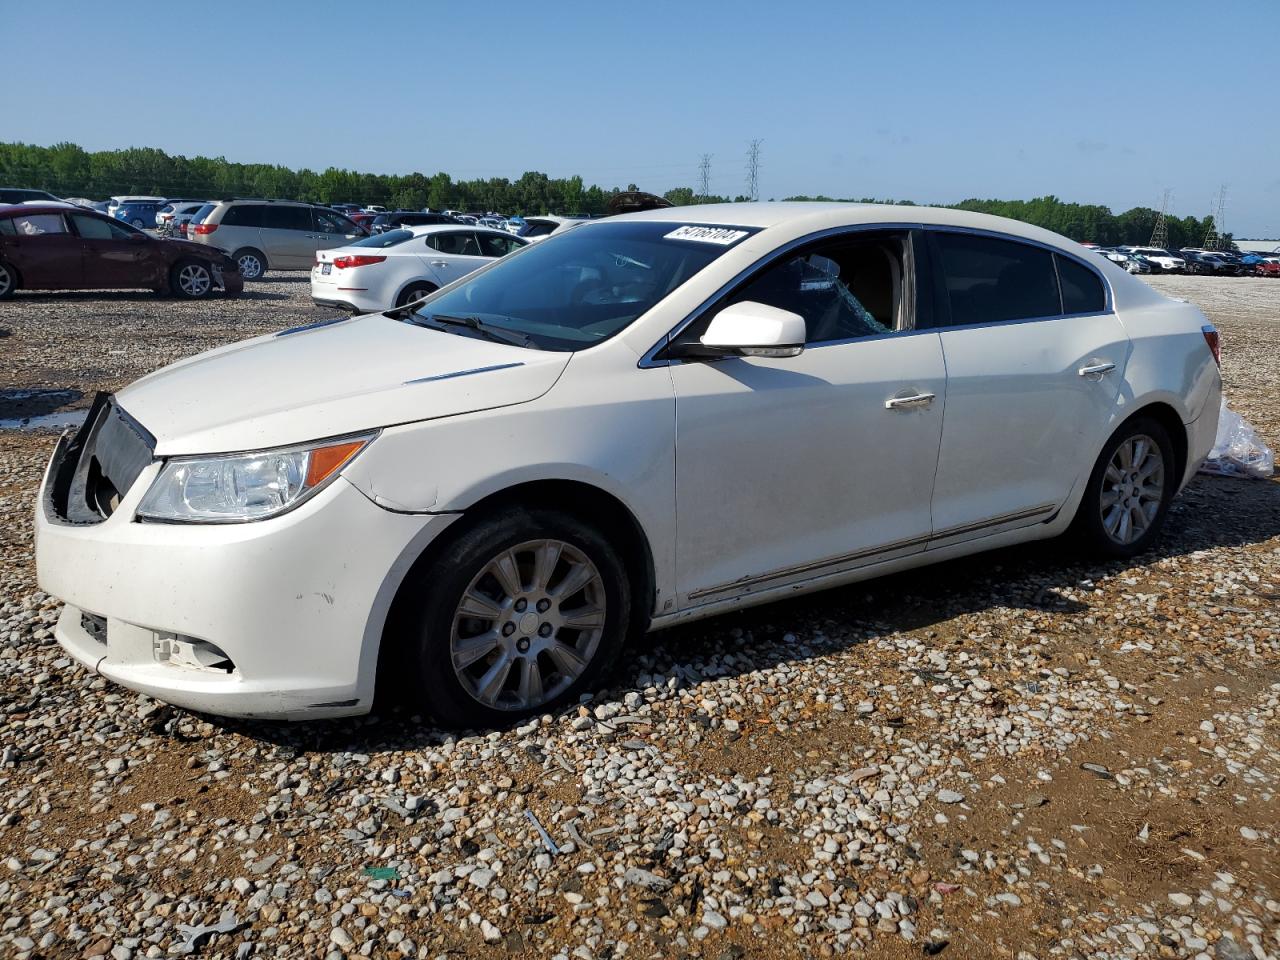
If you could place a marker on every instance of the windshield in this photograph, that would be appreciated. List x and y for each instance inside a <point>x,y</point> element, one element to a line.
<point>582,286</point>
<point>388,239</point>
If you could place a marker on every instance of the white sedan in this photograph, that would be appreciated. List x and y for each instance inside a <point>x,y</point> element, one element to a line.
<point>397,267</point>
<point>645,420</point>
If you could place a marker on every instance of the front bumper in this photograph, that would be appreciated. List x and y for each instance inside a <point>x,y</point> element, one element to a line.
<point>295,604</point>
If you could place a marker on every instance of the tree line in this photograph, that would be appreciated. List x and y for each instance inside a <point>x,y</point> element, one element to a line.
<point>68,170</point>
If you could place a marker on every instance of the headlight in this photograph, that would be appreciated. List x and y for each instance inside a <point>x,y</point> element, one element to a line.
<point>235,488</point>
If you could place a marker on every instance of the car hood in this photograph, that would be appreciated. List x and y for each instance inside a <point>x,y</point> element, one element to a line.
<point>329,379</point>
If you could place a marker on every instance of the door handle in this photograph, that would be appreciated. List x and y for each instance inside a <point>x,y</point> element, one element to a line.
<point>1096,370</point>
<point>916,400</point>
<point>439,263</point>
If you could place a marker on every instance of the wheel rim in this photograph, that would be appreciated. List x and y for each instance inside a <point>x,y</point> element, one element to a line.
<point>250,266</point>
<point>194,280</point>
<point>5,280</point>
<point>1132,489</point>
<point>528,625</point>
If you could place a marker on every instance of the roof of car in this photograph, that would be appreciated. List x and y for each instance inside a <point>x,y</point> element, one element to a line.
<point>823,215</point>
<point>425,228</point>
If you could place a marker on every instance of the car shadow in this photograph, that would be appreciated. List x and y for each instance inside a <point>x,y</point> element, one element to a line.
<point>1027,577</point>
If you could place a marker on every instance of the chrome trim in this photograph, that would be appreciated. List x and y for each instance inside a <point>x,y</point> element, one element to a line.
<point>745,583</point>
<point>464,373</point>
<point>648,362</point>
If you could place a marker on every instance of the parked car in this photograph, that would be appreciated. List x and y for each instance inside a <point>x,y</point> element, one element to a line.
<point>139,214</point>
<point>169,214</point>
<point>406,218</point>
<point>1211,263</point>
<point>650,419</point>
<point>374,208</point>
<point>544,225</point>
<point>1163,260</point>
<point>400,266</point>
<point>10,195</point>
<point>346,209</point>
<point>364,221</point>
<point>262,235</point>
<point>56,248</point>
<point>1268,266</point>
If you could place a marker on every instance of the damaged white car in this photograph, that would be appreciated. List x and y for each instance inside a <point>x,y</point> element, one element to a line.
<point>643,420</point>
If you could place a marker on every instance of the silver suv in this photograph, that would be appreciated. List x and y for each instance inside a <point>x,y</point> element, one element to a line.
<point>271,234</point>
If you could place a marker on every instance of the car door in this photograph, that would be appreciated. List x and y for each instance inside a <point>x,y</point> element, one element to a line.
<point>332,230</point>
<point>1035,361</point>
<point>453,254</point>
<point>46,253</point>
<point>113,256</point>
<point>288,236</point>
<point>790,469</point>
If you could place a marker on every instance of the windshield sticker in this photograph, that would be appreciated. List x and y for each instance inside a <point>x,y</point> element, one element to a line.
<point>717,235</point>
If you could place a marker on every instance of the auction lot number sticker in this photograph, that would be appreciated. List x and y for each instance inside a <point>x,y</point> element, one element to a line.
<point>717,235</point>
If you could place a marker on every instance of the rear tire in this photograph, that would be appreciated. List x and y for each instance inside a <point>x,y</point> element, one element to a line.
<point>252,264</point>
<point>8,280</point>
<point>1129,491</point>
<point>524,611</point>
<point>414,292</point>
<point>191,280</point>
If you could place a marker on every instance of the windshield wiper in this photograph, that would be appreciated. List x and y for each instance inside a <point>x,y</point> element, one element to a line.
<point>495,333</point>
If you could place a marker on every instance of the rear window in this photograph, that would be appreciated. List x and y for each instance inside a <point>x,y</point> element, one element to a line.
<point>7,228</point>
<point>244,215</point>
<point>203,212</point>
<point>989,280</point>
<point>388,239</point>
<point>1082,291</point>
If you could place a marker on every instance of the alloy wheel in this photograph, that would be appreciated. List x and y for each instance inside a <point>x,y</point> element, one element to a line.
<point>6,280</point>
<point>250,267</point>
<point>194,280</point>
<point>528,625</point>
<point>1132,489</point>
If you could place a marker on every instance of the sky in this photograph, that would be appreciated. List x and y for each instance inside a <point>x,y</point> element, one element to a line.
<point>934,101</point>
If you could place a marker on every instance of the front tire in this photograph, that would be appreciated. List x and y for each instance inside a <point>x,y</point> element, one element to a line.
<point>191,280</point>
<point>1129,491</point>
<point>252,264</point>
<point>526,610</point>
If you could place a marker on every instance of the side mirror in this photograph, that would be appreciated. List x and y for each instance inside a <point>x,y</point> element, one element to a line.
<point>748,329</point>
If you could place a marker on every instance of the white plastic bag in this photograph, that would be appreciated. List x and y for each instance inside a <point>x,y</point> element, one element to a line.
<point>1238,451</point>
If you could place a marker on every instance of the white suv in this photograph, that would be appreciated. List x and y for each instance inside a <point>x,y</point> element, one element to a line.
<point>263,235</point>
<point>644,420</point>
<point>1165,260</point>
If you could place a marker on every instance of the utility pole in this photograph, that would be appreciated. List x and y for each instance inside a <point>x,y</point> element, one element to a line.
<point>1213,237</point>
<point>1160,235</point>
<point>753,169</point>
<point>704,177</point>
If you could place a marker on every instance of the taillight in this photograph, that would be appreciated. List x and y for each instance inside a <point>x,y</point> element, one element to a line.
<point>355,261</point>
<point>204,228</point>
<point>1215,344</point>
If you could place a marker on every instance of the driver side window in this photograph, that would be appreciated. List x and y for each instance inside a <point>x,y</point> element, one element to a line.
<point>844,289</point>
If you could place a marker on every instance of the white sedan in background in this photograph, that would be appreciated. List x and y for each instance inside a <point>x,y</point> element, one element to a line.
<point>397,267</point>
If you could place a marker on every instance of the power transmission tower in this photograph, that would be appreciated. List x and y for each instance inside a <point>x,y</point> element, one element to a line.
<point>753,169</point>
<point>704,177</point>
<point>1160,235</point>
<point>1213,237</point>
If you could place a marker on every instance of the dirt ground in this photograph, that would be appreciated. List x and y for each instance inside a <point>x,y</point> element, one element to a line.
<point>1025,754</point>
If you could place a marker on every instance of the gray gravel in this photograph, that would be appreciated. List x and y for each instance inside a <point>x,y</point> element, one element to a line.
<point>1022,754</point>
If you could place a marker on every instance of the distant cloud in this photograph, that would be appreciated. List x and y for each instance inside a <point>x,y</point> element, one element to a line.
<point>1092,146</point>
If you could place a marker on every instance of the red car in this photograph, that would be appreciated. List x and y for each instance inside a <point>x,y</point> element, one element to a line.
<point>59,247</point>
<point>363,220</point>
<point>1267,268</point>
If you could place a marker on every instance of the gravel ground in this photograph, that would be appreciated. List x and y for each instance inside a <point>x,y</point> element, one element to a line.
<point>1018,755</point>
